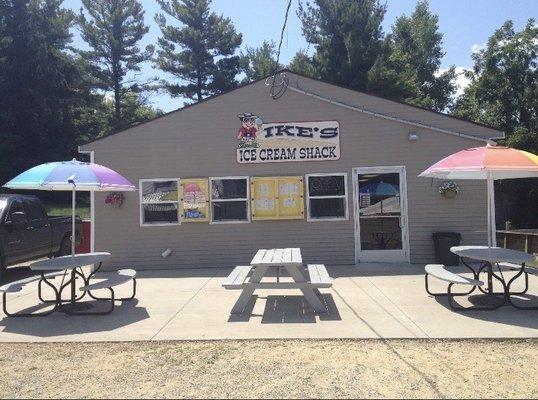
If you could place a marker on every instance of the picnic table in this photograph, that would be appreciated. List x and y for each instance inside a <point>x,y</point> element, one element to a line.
<point>69,263</point>
<point>491,256</point>
<point>308,281</point>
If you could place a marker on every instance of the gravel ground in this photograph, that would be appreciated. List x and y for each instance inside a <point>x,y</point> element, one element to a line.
<point>272,368</point>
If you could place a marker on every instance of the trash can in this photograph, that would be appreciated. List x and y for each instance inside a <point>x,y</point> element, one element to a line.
<point>442,242</point>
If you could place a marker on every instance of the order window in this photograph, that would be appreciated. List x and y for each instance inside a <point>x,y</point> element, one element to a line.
<point>229,199</point>
<point>159,201</point>
<point>326,197</point>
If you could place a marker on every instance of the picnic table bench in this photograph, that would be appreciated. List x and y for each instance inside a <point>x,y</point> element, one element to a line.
<point>248,278</point>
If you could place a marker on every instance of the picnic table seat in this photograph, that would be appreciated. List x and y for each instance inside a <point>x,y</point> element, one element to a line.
<point>105,283</point>
<point>319,277</point>
<point>124,272</point>
<point>16,286</point>
<point>438,271</point>
<point>236,280</point>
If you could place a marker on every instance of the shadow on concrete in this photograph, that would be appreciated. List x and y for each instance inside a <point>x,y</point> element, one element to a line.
<point>506,315</point>
<point>16,273</point>
<point>288,309</point>
<point>60,324</point>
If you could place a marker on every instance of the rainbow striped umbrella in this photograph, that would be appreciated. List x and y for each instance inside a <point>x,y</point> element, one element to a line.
<point>487,163</point>
<point>70,175</point>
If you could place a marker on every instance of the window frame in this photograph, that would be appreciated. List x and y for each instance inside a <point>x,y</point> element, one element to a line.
<point>309,218</point>
<point>141,208</point>
<point>246,200</point>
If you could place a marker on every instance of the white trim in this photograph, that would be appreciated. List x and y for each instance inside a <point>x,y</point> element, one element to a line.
<point>395,119</point>
<point>140,203</point>
<point>211,200</point>
<point>344,196</point>
<point>92,203</point>
<point>391,255</point>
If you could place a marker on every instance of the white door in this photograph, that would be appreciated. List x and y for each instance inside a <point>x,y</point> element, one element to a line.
<point>380,201</point>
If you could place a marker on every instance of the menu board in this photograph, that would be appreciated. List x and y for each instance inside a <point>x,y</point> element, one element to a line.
<point>277,197</point>
<point>195,200</point>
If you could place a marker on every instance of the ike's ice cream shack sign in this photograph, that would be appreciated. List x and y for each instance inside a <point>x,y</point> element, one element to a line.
<point>261,142</point>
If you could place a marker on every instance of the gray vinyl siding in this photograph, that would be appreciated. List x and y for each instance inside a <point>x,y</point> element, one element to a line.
<point>200,141</point>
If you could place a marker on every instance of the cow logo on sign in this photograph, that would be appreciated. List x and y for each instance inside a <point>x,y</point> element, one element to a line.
<point>250,129</point>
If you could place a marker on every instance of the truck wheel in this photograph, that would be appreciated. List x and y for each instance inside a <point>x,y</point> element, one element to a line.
<point>65,246</point>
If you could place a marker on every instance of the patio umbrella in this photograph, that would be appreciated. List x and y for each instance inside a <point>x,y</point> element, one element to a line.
<point>380,188</point>
<point>487,163</point>
<point>70,175</point>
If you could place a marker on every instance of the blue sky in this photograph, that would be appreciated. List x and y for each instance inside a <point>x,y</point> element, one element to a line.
<point>464,23</point>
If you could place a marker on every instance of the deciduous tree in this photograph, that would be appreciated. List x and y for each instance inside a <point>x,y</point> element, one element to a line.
<point>259,62</point>
<point>504,93</point>
<point>302,64</point>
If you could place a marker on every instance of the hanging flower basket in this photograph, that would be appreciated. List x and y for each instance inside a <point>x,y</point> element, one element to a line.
<point>449,189</point>
<point>114,199</point>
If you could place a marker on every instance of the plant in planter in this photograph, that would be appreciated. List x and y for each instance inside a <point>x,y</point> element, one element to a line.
<point>114,199</point>
<point>449,189</point>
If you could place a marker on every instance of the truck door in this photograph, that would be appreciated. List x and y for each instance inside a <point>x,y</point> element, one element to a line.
<point>16,225</point>
<point>39,230</point>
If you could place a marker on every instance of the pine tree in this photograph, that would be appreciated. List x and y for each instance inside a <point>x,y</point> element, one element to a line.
<point>408,66</point>
<point>113,31</point>
<point>259,62</point>
<point>347,36</point>
<point>200,52</point>
<point>43,88</point>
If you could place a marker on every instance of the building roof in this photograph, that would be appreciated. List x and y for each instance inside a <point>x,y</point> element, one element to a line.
<point>357,97</point>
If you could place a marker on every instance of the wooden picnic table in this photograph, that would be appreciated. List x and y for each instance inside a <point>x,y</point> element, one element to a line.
<point>308,282</point>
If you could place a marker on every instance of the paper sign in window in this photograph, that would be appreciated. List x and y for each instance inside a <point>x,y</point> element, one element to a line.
<point>277,197</point>
<point>195,200</point>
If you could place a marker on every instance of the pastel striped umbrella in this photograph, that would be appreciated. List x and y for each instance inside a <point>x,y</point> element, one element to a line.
<point>487,163</point>
<point>70,175</point>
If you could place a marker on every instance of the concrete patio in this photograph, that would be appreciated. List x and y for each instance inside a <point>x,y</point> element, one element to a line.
<point>366,301</point>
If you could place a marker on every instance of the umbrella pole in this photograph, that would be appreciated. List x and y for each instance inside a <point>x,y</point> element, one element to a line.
<point>73,226</point>
<point>492,234</point>
<point>73,240</point>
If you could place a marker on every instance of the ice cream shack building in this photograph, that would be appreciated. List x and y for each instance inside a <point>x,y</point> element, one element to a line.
<point>300,163</point>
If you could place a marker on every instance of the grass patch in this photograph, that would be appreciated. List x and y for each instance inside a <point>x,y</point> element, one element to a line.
<point>56,210</point>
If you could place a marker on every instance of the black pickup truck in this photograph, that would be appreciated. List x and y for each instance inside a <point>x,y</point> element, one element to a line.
<point>28,233</point>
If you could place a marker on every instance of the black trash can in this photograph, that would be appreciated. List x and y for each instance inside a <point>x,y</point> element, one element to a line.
<point>442,242</point>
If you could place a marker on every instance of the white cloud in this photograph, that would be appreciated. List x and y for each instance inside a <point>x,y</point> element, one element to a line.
<point>461,80</point>
<point>475,48</point>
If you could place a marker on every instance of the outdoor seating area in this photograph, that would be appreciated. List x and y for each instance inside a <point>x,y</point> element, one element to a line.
<point>370,301</point>
<point>489,260</point>
<point>71,267</point>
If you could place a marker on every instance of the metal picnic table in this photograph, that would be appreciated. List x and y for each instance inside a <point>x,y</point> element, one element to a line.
<point>69,263</point>
<point>494,256</point>
<point>291,260</point>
